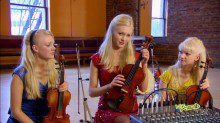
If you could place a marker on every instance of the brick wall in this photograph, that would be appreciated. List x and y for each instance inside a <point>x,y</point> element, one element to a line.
<point>186,18</point>
<point>200,18</point>
<point>115,7</point>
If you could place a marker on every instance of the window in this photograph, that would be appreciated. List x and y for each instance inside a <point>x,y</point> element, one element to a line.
<point>27,15</point>
<point>158,23</point>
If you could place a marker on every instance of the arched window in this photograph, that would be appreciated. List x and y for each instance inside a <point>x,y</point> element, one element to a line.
<point>27,15</point>
<point>159,15</point>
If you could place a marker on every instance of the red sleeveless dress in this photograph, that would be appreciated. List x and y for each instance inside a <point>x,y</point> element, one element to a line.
<point>105,114</point>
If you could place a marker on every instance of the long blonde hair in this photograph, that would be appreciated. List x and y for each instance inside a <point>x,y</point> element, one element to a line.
<point>195,46</point>
<point>28,60</point>
<point>106,49</point>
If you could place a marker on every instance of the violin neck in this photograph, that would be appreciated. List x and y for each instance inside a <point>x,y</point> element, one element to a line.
<point>60,103</point>
<point>133,70</point>
<point>61,76</point>
<point>136,65</point>
<point>199,92</point>
<point>203,76</point>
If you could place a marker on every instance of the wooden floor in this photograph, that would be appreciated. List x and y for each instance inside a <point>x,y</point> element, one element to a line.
<point>72,109</point>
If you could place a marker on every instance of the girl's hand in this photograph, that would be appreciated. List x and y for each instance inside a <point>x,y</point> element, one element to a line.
<point>118,81</point>
<point>63,87</point>
<point>145,55</point>
<point>205,85</point>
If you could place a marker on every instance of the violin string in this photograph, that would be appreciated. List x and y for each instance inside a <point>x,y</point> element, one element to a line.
<point>131,75</point>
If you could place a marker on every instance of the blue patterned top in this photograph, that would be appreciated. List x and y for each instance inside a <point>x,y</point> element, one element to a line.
<point>35,109</point>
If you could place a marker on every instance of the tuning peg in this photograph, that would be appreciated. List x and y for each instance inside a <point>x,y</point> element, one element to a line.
<point>202,62</point>
<point>201,66</point>
<point>210,62</point>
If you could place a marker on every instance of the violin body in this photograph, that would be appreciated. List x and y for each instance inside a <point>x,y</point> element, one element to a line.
<point>192,93</point>
<point>55,115</point>
<point>123,99</point>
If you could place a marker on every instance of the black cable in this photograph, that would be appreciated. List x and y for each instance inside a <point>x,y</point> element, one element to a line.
<point>162,89</point>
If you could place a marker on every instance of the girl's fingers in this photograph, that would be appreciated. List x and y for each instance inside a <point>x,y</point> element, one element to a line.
<point>120,79</point>
<point>204,86</point>
<point>120,76</point>
<point>63,87</point>
<point>119,85</point>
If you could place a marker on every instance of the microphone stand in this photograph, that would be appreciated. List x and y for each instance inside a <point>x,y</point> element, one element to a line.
<point>152,64</point>
<point>80,80</point>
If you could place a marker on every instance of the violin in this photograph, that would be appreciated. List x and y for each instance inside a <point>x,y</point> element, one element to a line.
<point>196,95</point>
<point>123,99</point>
<point>57,101</point>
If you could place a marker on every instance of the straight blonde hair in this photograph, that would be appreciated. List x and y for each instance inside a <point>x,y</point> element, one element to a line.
<point>106,48</point>
<point>28,60</point>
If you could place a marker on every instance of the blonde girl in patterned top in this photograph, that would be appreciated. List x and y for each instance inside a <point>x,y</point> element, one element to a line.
<point>35,74</point>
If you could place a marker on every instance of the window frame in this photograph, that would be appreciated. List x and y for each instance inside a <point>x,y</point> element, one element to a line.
<point>45,7</point>
<point>164,18</point>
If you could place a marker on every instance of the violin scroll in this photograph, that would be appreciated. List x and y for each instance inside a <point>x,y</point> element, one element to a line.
<point>148,40</point>
<point>207,64</point>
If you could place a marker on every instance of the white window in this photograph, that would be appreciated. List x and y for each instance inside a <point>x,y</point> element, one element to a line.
<point>158,23</point>
<point>27,15</point>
